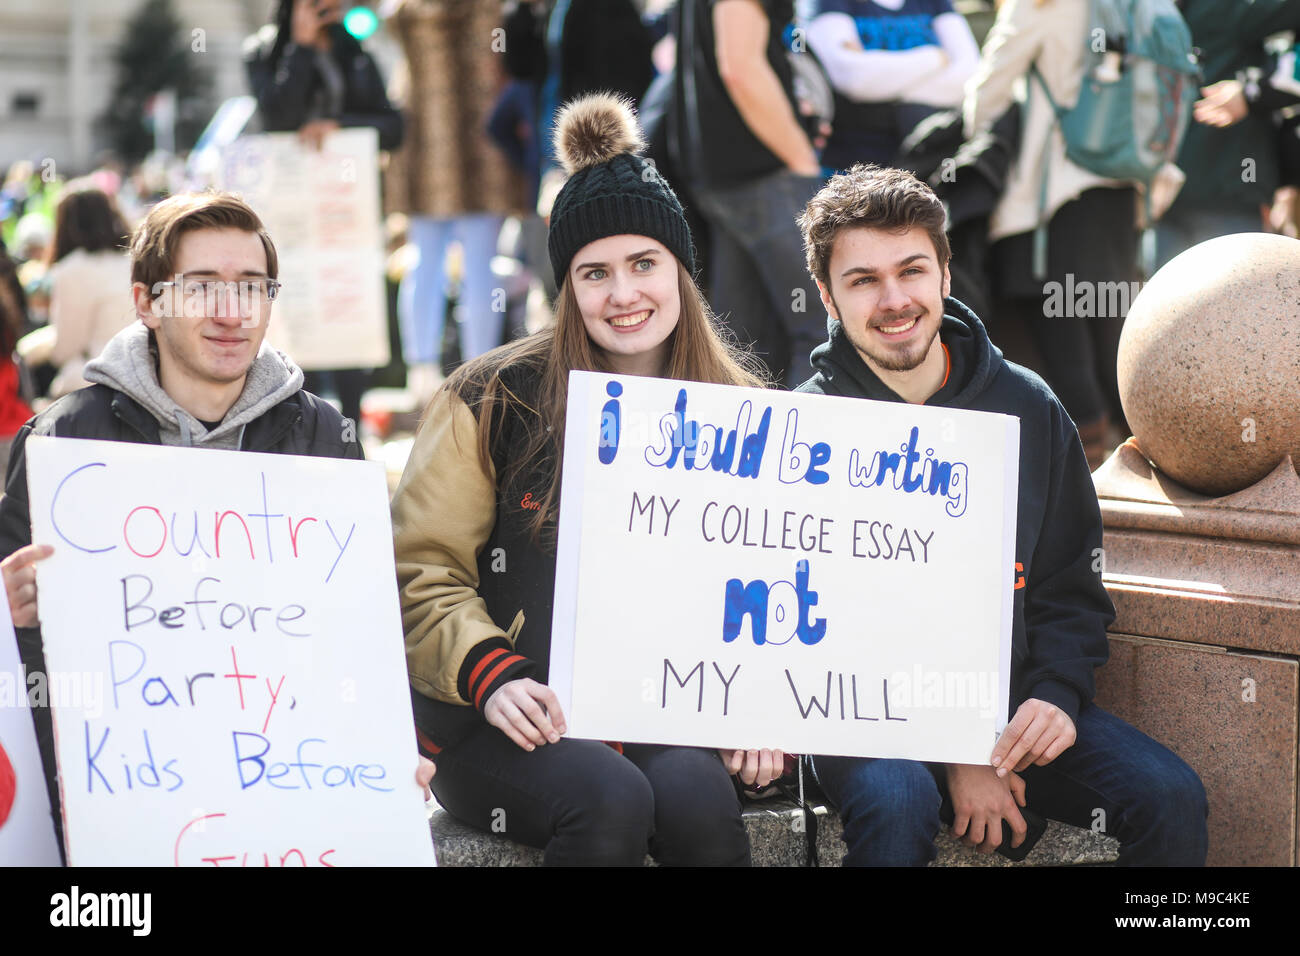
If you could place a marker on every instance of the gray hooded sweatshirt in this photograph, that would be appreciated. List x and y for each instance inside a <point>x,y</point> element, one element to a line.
<point>128,365</point>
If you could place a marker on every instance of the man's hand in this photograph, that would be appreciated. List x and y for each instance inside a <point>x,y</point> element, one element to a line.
<point>313,133</point>
<point>819,140</point>
<point>754,768</point>
<point>1224,103</point>
<point>527,712</point>
<point>1038,734</point>
<point>20,582</point>
<point>981,800</point>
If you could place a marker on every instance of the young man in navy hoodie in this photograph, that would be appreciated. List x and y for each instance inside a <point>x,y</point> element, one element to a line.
<point>876,246</point>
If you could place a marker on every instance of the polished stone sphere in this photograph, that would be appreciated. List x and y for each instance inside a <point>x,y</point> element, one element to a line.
<point>1209,362</point>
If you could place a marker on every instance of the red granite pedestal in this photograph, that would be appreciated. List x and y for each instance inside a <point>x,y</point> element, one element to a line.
<point>1205,650</point>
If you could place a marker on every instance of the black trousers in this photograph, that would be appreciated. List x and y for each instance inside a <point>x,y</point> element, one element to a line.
<point>586,804</point>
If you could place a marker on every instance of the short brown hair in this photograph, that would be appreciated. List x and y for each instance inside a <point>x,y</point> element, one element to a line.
<point>153,247</point>
<point>870,197</point>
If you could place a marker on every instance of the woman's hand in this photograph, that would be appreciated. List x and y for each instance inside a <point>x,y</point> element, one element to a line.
<point>527,712</point>
<point>424,774</point>
<point>754,768</point>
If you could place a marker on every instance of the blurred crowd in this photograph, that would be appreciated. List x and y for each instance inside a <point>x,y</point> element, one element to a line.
<point>747,105</point>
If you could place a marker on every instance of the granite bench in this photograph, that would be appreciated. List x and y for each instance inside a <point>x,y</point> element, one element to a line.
<point>777,838</point>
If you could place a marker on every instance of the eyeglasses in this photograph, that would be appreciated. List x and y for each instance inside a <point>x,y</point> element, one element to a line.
<point>213,296</point>
<point>263,288</point>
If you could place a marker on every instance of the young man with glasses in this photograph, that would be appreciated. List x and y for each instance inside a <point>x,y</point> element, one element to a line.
<point>193,371</point>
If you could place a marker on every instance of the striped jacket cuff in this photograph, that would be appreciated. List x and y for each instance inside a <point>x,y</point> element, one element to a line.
<point>488,665</point>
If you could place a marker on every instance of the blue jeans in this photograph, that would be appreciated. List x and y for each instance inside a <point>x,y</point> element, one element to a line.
<point>758,280</point>
<point>1114,779</point>
<point>422,296</point>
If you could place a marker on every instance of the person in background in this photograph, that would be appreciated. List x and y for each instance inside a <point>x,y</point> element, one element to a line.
<point>513,128</point>
<point>591,46</point>
<point>311,76</point>
<point>751,166</point>
<point>86,271</point>
<point>1232,170</point>
<point>454,186</point>
<point>1228,102</point>
<point>14,410</point>
<point>1092,234</point>
<point>33,234</point>
<point>513,121</point>
<point>891,63</point>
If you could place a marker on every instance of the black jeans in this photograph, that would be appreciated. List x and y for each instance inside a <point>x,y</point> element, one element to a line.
<point>758,276</point>
<point>1080,354</point>
<point>587,805</point>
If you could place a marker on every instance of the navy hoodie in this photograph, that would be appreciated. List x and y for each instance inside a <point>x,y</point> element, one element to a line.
<point>1061,609</point>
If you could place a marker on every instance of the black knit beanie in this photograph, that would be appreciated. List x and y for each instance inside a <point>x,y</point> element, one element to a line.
<point>611,190</point>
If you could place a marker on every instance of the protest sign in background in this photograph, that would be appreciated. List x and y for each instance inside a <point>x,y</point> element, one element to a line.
<point>26,828</point>
<point>747,568</point>
<point>240,611</point>
<point>322,211</point>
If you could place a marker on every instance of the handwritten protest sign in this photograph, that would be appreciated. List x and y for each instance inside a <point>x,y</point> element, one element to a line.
<point>240,612</point>
<point>322,210</point>
<point>26,828</point>
<point>746,568</point>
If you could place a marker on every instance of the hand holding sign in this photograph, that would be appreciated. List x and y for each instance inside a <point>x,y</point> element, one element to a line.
<point>1038,734</point>
<point>754,768</point>
<point>20,582</point>
<point>313,133</point>
<point>424,775</point>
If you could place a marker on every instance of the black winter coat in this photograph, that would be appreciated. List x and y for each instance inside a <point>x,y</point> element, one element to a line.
<point>1060,608</point>
<point>285,81</point>
<point>300,425</point>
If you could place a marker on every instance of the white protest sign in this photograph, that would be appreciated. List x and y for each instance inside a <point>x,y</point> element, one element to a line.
<point>241,611</point>
<point>747,568</point>
<point>26,827</point>
<point>321,208</point>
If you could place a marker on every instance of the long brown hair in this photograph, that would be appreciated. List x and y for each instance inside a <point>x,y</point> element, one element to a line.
<point>86,218</point>
<point>702,351</point>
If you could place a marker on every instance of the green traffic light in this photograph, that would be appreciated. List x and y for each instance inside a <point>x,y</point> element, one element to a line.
<point>360,22</point>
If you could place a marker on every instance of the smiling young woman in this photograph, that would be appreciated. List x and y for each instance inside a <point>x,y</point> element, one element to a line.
<point>474,520</point>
